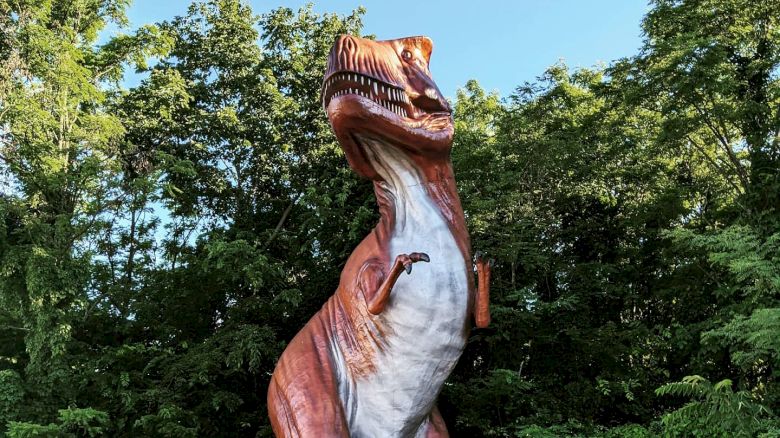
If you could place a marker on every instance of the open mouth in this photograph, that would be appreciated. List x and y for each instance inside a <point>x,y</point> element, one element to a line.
<point>388,96</point>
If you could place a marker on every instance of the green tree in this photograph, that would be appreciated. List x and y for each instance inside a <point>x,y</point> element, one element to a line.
<point>710,68</point>
<point>58,149</point>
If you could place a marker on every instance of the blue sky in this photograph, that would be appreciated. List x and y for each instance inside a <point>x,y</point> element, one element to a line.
<point>502,44</point>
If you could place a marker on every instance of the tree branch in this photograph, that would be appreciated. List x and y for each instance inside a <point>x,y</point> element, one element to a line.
<point>726,145</point>
<point>726,175</point>
<point>10,327</point>
<point>281,222</point>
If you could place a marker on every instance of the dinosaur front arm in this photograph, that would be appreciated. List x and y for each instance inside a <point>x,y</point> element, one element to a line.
<point>403,262</point>
<point>482,300</point>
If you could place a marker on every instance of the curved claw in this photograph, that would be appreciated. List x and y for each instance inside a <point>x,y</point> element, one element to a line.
<point>477,255</point>
<point>408,268</point>
<point>492,262</point>
<point>424,257</point>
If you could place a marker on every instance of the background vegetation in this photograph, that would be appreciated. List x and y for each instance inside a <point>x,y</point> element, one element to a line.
<point>159,245</point>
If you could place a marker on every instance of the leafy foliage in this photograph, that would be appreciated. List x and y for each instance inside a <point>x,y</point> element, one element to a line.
<point>715,411</point>
<point>160,245</point>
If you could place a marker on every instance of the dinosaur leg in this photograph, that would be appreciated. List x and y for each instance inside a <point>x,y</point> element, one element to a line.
<point>482,300</point>
<point>403,262</point>
<point>303,398</point>
<point>434,427</point>
<point>297,412</point>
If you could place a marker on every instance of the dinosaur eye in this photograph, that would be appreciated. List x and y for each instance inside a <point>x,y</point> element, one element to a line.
<point>406,55</point>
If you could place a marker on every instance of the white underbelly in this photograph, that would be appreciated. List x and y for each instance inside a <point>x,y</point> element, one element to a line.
<point>426,318</point>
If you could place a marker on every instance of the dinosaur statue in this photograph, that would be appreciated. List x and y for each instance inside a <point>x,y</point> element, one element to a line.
<point>373,360</point>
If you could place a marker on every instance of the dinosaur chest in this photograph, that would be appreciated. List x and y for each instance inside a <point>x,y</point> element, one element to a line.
<point>436,292</point>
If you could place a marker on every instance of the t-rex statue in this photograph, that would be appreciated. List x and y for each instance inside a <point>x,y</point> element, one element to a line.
<point>373,360</point>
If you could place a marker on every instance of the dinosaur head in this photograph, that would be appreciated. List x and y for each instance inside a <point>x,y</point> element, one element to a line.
<point>383,90</point>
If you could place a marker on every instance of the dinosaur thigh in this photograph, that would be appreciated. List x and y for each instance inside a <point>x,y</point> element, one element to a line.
<point>303,399</point>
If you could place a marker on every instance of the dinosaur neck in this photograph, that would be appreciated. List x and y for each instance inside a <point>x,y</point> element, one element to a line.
<point>404,179</point>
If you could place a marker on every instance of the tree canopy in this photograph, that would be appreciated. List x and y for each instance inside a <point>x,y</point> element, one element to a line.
<point>160,245</point>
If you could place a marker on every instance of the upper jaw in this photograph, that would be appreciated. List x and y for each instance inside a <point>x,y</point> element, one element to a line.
<point>391,97</point>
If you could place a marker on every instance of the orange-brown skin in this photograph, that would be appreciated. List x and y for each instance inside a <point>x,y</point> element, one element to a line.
<point>303,396</point>
<point>482,299</point>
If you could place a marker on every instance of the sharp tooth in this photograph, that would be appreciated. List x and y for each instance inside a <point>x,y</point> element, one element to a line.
<point>403,111</point>
<point>361,80</point>
<point>383,88</point>
<point>376,91</point>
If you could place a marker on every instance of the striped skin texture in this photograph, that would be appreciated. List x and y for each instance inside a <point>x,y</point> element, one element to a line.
<point>372,361</point>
